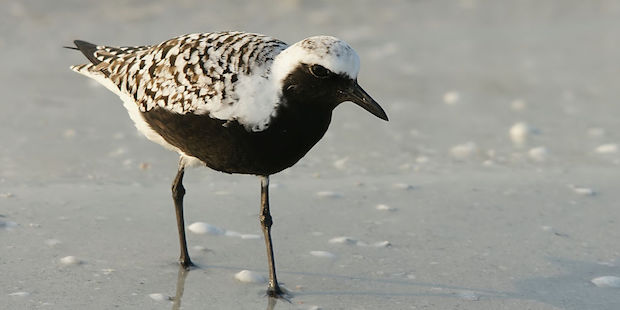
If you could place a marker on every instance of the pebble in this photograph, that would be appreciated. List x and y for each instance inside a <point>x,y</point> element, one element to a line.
<point>546,228</point>
<point>341,163</point>
<point>584,191</point>
<point>232,233</point>
<point>451,97</point>
<point>607,281</point>
<point>342,240</point>
<point>202,228</point>
<point>520,133</point>
<point>382,244</point>
<point>538,154</point>
<point>7,195</point>
<point>383,207</point>
<point>609,148</point>
<point>464,151</point>
<point>201,248</point>
<point>247,276</point>
<point>351,241</point>
<point>328,194</point>
<point>422,159</point>
<point>403,186</point>
<point>159,297</point>
<point>324,254</point>
<point>19,294</point>
<point>70,260</point>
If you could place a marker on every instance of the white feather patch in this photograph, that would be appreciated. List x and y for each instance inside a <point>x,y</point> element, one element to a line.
<point>329,52</point>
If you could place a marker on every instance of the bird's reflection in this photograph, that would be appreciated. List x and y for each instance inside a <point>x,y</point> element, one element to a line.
<point>181,276</point>
<point>271,303</point>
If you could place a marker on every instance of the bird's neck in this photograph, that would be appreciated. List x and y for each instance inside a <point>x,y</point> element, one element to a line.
<point>297,112</point>
<point>293,131</point>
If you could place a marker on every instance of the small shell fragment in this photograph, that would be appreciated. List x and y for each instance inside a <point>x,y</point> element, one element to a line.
<point>248,276</point>
<point>607,281</point>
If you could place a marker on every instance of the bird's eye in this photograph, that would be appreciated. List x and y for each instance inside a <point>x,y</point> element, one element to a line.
<point>319,71</point>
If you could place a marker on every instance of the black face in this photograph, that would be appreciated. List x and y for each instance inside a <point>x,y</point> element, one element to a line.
<point>315,84</point>
<point>316,87</point>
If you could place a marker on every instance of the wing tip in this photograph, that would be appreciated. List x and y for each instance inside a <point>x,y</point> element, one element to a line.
<point>81,44</point>
<point>87,48</point>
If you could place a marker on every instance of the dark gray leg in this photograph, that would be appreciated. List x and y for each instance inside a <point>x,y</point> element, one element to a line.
<point>178,191</point>
<point>273,290</point>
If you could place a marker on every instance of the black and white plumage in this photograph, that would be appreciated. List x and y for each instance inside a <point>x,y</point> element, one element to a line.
<point>236,102</point>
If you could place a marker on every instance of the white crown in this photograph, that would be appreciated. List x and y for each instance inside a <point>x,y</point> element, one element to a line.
<point>329,52</point>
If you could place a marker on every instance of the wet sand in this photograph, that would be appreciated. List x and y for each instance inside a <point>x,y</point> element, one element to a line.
<point>493,186</point>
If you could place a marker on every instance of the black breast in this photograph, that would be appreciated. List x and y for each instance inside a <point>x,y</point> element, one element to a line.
<point>229,147</point>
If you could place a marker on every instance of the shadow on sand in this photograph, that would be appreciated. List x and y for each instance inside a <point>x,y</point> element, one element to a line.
<point>571,290</point>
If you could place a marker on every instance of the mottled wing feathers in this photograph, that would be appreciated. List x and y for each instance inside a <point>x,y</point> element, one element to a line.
<point>196,73</point>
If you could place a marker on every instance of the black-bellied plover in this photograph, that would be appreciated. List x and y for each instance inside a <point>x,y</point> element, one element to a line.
<point>233,101</point>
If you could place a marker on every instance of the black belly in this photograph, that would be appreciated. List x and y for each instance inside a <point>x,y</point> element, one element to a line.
<point>229,147</point>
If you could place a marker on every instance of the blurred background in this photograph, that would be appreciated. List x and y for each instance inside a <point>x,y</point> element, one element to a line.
<point>503,122</point>
<point>448,73</point>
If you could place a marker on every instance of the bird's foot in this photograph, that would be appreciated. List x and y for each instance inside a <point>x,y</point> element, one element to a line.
<point>279,293</point>
<point>186,263</point>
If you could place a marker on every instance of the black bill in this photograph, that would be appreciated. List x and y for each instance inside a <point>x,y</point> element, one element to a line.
<point>357,95</point>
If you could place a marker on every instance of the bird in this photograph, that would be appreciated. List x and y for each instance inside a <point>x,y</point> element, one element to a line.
<point>235,102</point>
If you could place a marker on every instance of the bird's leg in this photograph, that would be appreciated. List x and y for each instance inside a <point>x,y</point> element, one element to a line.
<point>178,191</point>
<point>273,290</point>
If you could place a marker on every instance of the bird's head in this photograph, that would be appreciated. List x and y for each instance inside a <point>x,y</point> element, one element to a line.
<point>322,70</point>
